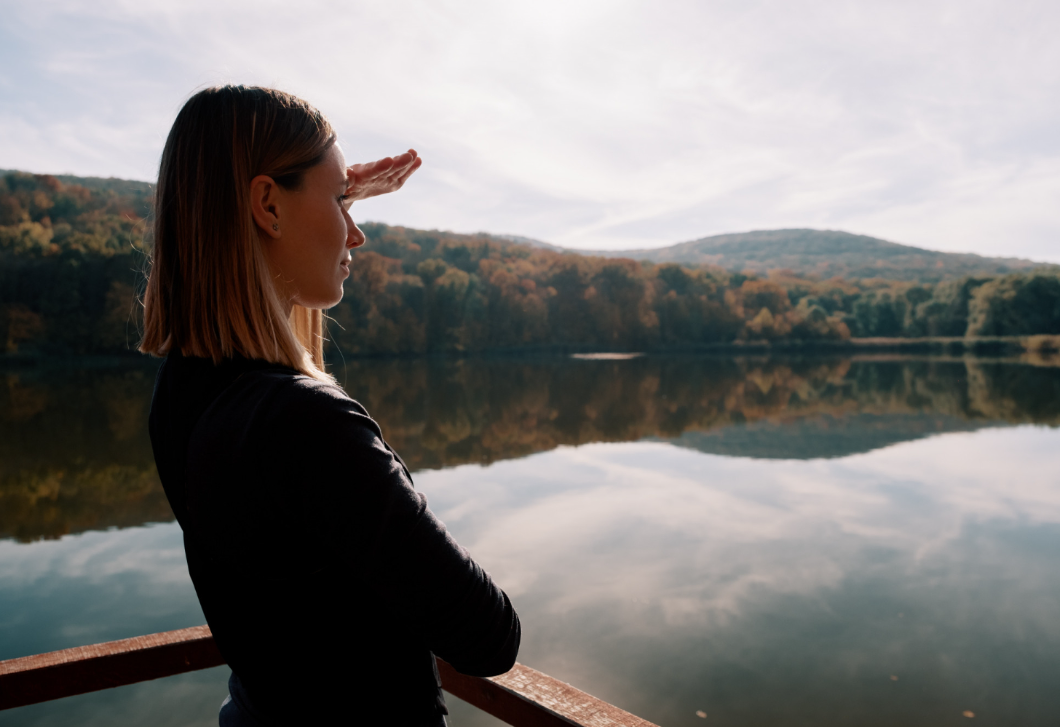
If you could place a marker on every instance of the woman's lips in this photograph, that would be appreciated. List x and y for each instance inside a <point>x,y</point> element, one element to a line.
<point>345,265</point>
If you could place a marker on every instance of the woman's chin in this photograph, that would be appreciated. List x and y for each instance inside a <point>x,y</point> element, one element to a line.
<point>321,302</point>
<point>334,301</point>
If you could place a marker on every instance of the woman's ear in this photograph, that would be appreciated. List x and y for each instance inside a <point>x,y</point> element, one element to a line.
<point>264,205</point>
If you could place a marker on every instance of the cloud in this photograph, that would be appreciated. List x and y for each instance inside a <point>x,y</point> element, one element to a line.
<point>601,125</point>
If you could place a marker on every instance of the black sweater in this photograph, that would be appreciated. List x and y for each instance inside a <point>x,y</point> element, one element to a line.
<point>325,579</point>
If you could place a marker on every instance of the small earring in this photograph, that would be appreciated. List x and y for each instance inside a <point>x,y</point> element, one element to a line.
<point>275,227</point>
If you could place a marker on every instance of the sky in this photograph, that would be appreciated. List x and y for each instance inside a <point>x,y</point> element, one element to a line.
<point>588,124</point>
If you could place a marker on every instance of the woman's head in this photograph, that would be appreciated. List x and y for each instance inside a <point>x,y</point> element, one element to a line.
<point>211,289</point>
<point>307,232</point>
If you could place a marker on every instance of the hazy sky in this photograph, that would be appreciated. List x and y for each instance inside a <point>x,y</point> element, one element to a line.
<point>593,124</point>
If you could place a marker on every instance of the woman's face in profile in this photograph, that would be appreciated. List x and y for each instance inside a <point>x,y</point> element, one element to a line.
<point>310,257</point>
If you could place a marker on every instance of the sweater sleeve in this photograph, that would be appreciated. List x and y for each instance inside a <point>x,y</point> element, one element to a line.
<point>358,499</point>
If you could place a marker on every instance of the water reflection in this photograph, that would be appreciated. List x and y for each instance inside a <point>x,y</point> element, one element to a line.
<point>74,453</point>
<point>669,581</point>
<point>763,592</point>
<point>778,566</point>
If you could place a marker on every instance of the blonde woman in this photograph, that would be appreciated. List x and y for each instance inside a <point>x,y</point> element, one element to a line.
<point>328,583</point>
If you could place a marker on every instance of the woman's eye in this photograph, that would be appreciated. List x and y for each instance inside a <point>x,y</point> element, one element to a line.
<point>345,200</point>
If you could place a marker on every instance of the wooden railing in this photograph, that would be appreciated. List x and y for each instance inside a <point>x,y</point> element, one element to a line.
<point>522,697</point>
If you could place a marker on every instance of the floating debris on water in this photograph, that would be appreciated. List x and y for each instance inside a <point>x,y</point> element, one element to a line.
<point>894,678</point>
<point>968,713</point>
<point>605,356</point>
<point>701,714</point>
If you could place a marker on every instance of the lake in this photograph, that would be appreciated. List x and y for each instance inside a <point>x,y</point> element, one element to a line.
<point>802,541</point>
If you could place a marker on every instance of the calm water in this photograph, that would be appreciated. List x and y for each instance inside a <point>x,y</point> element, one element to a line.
<point>792,542</point>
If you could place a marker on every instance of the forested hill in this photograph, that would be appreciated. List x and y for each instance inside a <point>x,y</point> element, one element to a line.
<point>73,251</point>
<point>826,254</point>
<point>141,194</point>
<point>819,253</point>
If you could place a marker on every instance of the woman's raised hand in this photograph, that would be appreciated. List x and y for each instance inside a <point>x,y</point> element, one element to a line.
<point>380,177</point>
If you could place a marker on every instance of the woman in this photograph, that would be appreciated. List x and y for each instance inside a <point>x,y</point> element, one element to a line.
<point>328,584</point>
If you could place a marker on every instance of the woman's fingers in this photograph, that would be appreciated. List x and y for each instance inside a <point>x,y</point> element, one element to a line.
<point>401,174</point>
<point>407,171</point>
<point>372,169</point>
<point>403,168</point>
<point>381,176</point>
<point>386,164</point>
<point>398,165</point>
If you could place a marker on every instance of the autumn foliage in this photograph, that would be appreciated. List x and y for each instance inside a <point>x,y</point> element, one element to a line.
<point>414,291</point>
<point>73,252</point>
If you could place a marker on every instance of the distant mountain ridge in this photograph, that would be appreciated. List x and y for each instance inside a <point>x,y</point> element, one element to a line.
<point>531,242</point>
<point>825,253</point>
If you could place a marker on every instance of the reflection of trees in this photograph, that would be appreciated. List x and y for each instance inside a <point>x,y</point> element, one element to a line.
<point>74,452</point>
<point>1016,394</point>
<point>444,413</point>
<point>75,455</point>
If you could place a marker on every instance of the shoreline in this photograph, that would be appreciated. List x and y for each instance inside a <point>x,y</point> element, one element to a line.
<point>1039,350</point>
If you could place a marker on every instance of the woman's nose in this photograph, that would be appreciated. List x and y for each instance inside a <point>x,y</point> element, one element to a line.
<point>354,236</point>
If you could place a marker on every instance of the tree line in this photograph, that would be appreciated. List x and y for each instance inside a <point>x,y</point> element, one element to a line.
<point>73,252</point>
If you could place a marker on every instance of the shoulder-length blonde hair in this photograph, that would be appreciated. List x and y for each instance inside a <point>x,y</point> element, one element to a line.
<point>209,290</point>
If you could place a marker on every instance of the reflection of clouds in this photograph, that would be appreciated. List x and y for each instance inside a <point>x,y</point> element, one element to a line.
<point>154,553</point>
<point>663,579</point>
<point>666,580</point>
<point>97,586</point>
<point>1005,473</point>
<point>696,536</point>
<point>185,700</point>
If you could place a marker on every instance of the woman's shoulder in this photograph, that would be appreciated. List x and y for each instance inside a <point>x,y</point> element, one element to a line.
<point>291,397</point>
<point>286,411</point>
<point>242,387</point>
